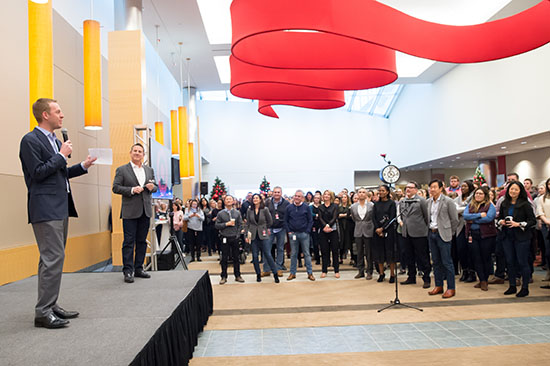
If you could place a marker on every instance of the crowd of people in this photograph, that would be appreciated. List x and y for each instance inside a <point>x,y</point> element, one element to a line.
<point>484,235</point>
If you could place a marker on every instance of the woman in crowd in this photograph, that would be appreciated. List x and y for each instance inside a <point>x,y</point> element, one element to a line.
<point>316,226</point>
<point>328,237</point>
<point>343,226</point>
<point>543,215</point>
<point>177,224</point>
<point>516,218</point>
<point>383,246</point>
<point>258,220</point>
<point>206,240</point>
<point>481,232</point>
<point>194,217</point>
<point>309,197</point>
<point>461,254</point>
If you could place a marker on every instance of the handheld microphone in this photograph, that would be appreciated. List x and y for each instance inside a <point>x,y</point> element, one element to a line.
<point>65,137</point>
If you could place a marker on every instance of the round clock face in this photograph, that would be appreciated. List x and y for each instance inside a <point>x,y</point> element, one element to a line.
<point>390,174</point>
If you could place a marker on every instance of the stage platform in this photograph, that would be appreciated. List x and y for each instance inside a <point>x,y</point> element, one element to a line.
<point>153,321</point>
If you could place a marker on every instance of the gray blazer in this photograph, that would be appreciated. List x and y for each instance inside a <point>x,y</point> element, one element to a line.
<point>258,229</point>
<point>133,205</point>
<point>415,217</point>
<point>447,217</point>
<point>363,227</point>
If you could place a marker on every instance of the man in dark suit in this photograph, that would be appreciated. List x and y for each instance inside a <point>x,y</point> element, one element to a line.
<point>49,204</point>
<point>135,182</point>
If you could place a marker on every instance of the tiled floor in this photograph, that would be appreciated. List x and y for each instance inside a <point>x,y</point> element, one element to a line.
<point>373,338</point>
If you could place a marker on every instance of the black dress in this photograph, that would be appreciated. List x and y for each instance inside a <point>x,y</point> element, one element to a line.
<point>383,248</point>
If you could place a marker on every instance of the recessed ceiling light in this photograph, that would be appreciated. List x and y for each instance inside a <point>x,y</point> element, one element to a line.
<point>478,153</point>
<point>458,157</point>
<point>430,164</point>
<point>440,162</point>
<point>224,70</point>
<point>216,18</point>
<point>503,147</point>
<point>523,142</point>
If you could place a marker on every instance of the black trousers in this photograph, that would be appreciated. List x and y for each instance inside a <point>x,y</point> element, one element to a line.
<point>329,244</point>
<point>417,253</point>
<point>230,246</point>
<point>195,241</point>
<point>135,234</point>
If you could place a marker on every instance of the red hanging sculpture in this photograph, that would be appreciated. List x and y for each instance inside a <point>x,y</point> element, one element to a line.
<point>305,53</point>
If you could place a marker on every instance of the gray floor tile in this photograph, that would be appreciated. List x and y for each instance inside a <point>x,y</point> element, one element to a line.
<point>393,346</point>
<point>528,321</point>
<point>542,328</point>
<point>271,351</point>
<point>421,344</point>
<point>508,340</point>
<point>247,351</point>
<point>199,351</point>
<point>505,322</point>
<point>379,328</point>
<point>479,341</point>
<point>544,319</point>
<point>453,325</point>
<point>353,329</point>
<point>281,332</point>
<point>535,338</point>
<point>477,323</point>
<point>428,326</point>
<point>494,331</point>
<point>439,334</point>
<point>218,352</point>
<point>520,330</point>
<point>372,347</point>
<point>450,343</point>
<point>412,336</point>
<point>402,327</point>
<point>465,333</point>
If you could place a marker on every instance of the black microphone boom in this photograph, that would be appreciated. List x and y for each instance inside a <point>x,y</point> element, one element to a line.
<point>65,137</point>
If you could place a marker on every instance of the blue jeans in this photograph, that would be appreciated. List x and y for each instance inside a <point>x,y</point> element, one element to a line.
<point>302,240</point>
<point>517,259</point>
<point>279,240</point>
<point>265,246</point>
<point>442,260</point>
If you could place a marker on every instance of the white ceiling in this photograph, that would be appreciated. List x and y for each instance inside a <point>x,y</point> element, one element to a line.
<point>180,21</point>
<point>470,159</point>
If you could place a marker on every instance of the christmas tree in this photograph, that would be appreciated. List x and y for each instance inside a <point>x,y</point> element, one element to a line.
<point>264,186</point>
<point>218,189</point>
<point>479,177</point>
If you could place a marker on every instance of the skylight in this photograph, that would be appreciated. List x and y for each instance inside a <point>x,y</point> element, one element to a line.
<point>374,102</point>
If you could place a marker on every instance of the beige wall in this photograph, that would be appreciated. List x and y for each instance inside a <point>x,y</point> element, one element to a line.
<point>92,191</point>
<point>534,164</point>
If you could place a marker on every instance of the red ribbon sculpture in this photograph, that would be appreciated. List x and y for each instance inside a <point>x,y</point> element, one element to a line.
<point>305,53</point>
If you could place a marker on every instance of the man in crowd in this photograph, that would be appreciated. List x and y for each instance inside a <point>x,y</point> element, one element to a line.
<point>454,185</point>
<point>229,222</point>
<point>49,204</point>
<point>246,204</point>
<point>414,220</point>
<point>299,221</point>
<point>361,214</point>
<point>532,190</point>
<point>442,226</point>
<point>135,182</point>
<point>277,207</point>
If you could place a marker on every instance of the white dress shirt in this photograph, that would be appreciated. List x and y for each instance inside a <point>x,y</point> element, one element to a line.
<point>362,210</point>
<point>434,211</point>
<point>139,171</point>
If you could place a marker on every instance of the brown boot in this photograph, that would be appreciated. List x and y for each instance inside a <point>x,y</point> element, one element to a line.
<point>484,286</point>
<point>266,274</point>
<point>449,293</point>
<point>291,277</point>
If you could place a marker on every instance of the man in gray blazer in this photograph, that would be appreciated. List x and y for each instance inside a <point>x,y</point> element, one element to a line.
<point>135,182</point>
<point>442,226</point>
<point>414,218</point>
<point>361,214</point>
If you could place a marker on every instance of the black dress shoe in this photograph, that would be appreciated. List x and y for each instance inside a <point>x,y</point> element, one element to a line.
<point>409,281</point>
<point>65,314</point>
<point>464,276</point>
<point>51,322</point>
<point>128,278</point>
<point>142,274</point>
<point>522,293</point>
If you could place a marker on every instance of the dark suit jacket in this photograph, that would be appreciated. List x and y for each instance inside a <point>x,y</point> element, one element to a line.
<point>133,205</point>
<point>258,229</point>
<point>46,176</point>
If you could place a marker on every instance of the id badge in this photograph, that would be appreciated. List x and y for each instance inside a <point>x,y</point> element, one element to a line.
<point>264,233</point>
<point>224,240</point>
<point>276,216</point>
<point>293,237</point>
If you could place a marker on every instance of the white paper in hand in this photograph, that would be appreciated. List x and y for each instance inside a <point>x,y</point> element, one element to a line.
<point>104,156</point>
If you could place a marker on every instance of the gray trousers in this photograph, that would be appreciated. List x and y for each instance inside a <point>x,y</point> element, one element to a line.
<point>51,237</point>
<point>364,251</point>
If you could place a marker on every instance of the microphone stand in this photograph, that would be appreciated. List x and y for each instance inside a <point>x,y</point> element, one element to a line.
<point>396,301</point>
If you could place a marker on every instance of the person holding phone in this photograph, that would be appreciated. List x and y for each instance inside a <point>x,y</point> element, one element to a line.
<point>516,217</point>
<point>194,217</point>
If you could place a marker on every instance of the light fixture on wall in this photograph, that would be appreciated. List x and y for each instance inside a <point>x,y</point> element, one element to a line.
<point>40,53</point>
<point>183,140</point>
<point>92,73</point>
<point>159,132</point>
<point>191,159</point>
<point>174,132</point>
